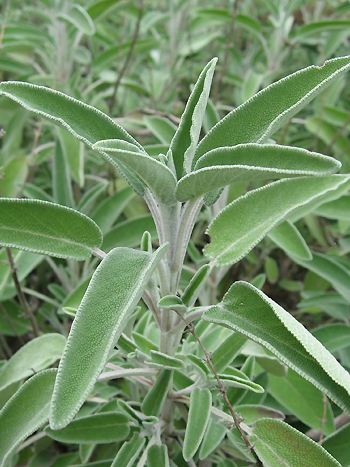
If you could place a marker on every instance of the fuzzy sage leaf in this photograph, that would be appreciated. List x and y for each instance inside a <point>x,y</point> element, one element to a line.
<point>99,321</point>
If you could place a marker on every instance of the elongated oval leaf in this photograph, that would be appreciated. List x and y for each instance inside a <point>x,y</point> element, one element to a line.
<point>184,142</point>
<point>249,311</point>
<point>155,398</point>
<point>129,233</point>
<point>250,162</point>
<point>213,436</point>
<point>155,175</point>
<point>129,452</point>
<point>108,211</point>
<point>80,19</point>
<point>198,418</point>
<point>269,109</point>
<point>113,292</point>
<point>101,428</point>
<point>337,209</point>
<point>157,456</point>
<point>25,412</point>
<point>337,444</point>
<point>244,222</point>
<point>288,237</point>
<point>277,443</point>
<point>302,399</point>
<point>34,356</point>
<point>47,228</point>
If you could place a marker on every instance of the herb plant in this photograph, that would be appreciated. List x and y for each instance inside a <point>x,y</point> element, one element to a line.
<point>147,321</point>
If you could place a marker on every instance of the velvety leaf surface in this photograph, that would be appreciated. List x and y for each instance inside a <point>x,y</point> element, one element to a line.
<point>244,222</point>
<point>47,228</point>
<point>25,412</point>
<point>99,321</point>
<point>263,114</point>
<point>198,418</point>
<point>249,162</point>
<point>184,143</point>
<point>288,237</point>
<point>101,428</point>
<point>249,311</point>
<point>337,444</point>
<point>155,175</point>
<point>32,357</point>
<point>277,443</point>
<point>129,451</point>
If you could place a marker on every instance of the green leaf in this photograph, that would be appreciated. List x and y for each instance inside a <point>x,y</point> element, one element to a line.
<point>337,444</point>
<point>277,443</point>
<point>237,379</point>
<point>184,143</point>
<point>289,239</point>
<point>99,321</point>
<point>129,452</point>
<point>13,176</point>
<point>80,19</point>
<point>225,353</point>
<point>155,174</point>
<point>319,27</point>
<point>129,233</point>
<point>194,287</point>
<point>250,162</point>
<point>198,419</point>
<point>25,412</point>
<point>244,222</point>
<point>155,398</point>
<point>333,336</point>
<point>337,209</point>
<point>302,399</point>
<point>108,211</point>
<point>213,436</point>
<point>161,127</point>
<point>47,228</point>
<point>101,428</point>
<point>269,109</point>
<point>166,361</point>
<point>247,310</point>
<point>32,357</point>
<point>61,185</point>
<point>157,456</point>
<point>330,269</point>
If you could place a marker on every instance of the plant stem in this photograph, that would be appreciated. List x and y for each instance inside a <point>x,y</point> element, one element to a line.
<point>127,58</point>
<point>222,389</point>
<point>22,299</point>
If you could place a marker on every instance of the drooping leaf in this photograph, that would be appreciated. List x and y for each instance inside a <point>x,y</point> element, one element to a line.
<point>47,228</point>
<point>184,142</point>
<point>249,311</point>
<point>302,399</point>
<point>25,412</point>
<point>250,162</point>
<point>101,428</point>
<point>288,237</point>
<point>198,419</point>
<point>277,443</point>
<point>155,174</point>
<point>263,114</point>
<point>32,357</point>
<point>99,321</point>
<point>244,222</point>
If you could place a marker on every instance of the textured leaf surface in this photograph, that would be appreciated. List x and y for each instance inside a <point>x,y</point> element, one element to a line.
<point>108,427</point>
<point>48,228</point>
<point>155,398</point>
<point>157,456</point>
<point>244,222</point>
<point>302,399</point>
<point>277,443</point>
<point>108,211</point>
<point>129,452</point>
<point>25,412</point>
<point>247,310</point>
<point>288,237</point>
<point>129,233</point>
<point>263,114</point>
<point>155,174</point>
<point>337,444</point>
<point>198,418</point>
<point>250,162</point>
<point>113,292</point>
<point>32,357</point>
<point>184,143</point>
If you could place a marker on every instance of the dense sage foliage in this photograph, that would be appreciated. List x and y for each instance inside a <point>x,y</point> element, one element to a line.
<point>162,337</point>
